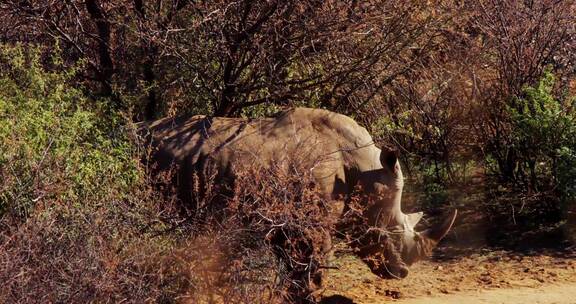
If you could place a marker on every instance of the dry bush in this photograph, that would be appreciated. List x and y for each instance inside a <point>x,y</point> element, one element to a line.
<point>271,238</point>
<point>266,243</point>
<point>271,232</point>
<point>71,213</point>
<point>219,57</point>
<point>67,252</point>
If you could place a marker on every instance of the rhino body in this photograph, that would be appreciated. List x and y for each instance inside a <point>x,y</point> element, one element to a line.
<point>342,156</point>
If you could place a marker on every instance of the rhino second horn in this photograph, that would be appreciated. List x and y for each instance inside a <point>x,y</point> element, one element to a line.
<point>440,231</point>
<point>413,219</point>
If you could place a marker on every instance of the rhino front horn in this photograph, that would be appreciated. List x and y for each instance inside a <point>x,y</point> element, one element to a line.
<point>438,232</point>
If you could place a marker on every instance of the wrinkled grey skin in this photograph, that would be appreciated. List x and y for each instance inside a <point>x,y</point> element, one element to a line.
<point>340,151</point>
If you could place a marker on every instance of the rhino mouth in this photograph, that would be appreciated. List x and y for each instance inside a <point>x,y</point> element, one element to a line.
<point>389,257</point>
<point>380,252</point>
<point>391,271</point>
<point>384,260</point>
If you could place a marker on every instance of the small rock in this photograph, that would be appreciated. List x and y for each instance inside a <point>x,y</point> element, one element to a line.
<point>393,294</point>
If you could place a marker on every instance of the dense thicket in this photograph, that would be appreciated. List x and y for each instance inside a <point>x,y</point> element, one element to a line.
<point>221,56</point>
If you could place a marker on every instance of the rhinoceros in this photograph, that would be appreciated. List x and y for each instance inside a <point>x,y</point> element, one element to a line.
<point>348,158</point>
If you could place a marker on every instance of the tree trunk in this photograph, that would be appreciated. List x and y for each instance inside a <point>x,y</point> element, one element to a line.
<point>106,68</point>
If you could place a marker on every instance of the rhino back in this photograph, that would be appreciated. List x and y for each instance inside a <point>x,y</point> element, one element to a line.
<point>325,140</point>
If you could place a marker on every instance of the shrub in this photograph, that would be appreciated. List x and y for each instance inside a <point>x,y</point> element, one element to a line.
<point>55,143</point>
<point>70,224</point>
<point>544,131</point>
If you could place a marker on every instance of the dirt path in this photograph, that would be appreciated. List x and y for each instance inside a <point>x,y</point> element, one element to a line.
<point>482,277</point>
<point>548,294</point>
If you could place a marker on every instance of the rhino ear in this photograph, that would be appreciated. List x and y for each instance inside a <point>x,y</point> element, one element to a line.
<point>388,158</point>
<point>413,218</point>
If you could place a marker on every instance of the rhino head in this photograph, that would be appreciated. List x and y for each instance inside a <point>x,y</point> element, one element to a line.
<point>400,245</point>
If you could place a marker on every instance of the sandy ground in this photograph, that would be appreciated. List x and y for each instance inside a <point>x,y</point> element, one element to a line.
<point>482,277</point>
<point>547,294</point>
